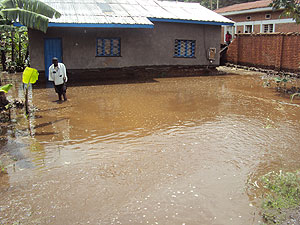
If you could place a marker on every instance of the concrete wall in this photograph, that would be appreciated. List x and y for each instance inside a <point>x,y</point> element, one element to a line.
<point>139,47</point>
<point>275,51</point>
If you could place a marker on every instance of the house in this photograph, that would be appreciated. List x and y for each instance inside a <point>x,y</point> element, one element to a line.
<point>256,17</point>
<point>102,34</point>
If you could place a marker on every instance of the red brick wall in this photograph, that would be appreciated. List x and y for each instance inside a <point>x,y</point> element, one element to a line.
<point>275,51</point>
<point>256,28</point>
<point>239,29</point>
<point>287,27</point>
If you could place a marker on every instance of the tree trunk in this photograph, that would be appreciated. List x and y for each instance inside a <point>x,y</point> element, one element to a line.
<point>3,100</point>
<point>3,60</point>
<point>20,48</point>
<point>12,46</point>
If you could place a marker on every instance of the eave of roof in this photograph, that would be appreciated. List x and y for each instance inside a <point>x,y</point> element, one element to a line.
<point>130,13</point>
<point>189,21</point>
<point>266,9</point>
<point>100,25</point>
<point>239,8</point>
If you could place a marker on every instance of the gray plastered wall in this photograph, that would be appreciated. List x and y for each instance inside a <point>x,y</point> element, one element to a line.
<point>139,47</point>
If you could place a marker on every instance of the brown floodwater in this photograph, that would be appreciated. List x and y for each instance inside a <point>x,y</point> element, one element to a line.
<point>166,151</point>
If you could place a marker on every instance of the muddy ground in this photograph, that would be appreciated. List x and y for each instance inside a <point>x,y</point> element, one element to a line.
<point>167,151</point>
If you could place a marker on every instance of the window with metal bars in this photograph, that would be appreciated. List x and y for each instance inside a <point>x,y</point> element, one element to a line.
<point>108,47</point>
<point>185,48</point>
<point>268,28</point>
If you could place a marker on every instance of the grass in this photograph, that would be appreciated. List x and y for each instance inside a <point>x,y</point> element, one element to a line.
<point>282,195</point>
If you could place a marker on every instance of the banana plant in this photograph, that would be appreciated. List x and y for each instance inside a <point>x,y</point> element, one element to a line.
<point>30,76</point>
<point>33,14</point>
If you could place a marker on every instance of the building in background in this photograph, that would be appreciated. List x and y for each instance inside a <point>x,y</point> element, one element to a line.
<point>256,17</point>
<point>92,35</point>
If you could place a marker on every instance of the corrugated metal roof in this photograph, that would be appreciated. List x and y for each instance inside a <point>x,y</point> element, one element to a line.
<point>130,11</point>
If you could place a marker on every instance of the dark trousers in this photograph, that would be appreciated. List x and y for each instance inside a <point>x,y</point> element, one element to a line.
<point>61,91</point>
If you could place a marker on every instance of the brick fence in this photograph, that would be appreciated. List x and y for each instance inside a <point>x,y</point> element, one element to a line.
<point>279,51</point>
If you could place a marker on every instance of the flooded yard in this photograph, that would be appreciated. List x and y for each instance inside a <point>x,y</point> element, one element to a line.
<point>168,151</point>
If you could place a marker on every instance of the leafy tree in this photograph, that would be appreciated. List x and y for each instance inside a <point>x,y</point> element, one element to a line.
<point>14,48</point>
<point>291,8</point>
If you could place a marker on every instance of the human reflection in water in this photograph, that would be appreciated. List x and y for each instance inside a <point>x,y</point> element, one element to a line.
<point>62,129</point>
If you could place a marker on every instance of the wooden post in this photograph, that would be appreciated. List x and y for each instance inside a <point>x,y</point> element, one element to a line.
<point>26,101</point>
<point>26,95</point>
<point>20,48</point>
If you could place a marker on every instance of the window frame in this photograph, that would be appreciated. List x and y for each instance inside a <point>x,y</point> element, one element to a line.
<point>231,30</point>
<point>267,24</point>
<point>268,15</point>
<point>245,26</point>
<point>185,56</point>
<point>111,50</point>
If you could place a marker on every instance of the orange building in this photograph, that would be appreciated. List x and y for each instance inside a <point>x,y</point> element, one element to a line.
<point>256,17</point>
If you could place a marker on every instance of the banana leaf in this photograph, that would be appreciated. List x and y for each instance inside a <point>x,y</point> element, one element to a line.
<point>27,18</point>
<point>30,13</point>
<point>33,6</point>
<point>30,75</point>
<point>5,88</point>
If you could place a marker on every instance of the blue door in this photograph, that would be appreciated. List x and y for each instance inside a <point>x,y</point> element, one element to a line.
<point>52,48</point>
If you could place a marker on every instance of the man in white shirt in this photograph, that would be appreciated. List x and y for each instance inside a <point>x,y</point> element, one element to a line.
<point>58,74</point>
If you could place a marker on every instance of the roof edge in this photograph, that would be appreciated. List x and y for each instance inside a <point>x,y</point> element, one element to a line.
<point>189,21</point>
<point>100,25</point>
<point>246,11</point>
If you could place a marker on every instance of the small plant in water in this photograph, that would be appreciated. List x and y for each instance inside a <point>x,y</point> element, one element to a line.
<point>293,96</point>
<point>281,83</point>
<point>2,168</point>
<point>282,197</point>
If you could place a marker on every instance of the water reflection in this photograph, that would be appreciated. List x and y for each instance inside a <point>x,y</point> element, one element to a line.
<point>173,151</point>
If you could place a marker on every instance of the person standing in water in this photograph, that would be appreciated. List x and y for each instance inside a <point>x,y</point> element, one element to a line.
<point>58,74</point>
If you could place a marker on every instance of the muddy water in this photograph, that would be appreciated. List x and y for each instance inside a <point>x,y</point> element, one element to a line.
<point>167,151</point>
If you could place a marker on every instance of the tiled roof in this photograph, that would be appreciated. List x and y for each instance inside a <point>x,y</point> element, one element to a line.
<point>130,12</point>
<point>245,6</point>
